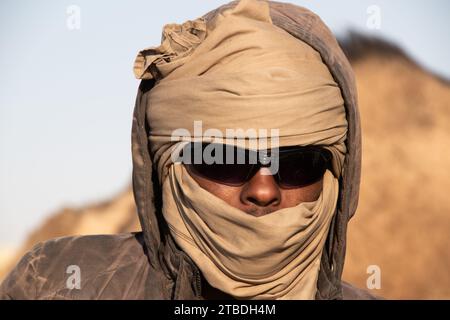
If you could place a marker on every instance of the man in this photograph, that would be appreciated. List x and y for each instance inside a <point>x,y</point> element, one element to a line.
<point>266,219</point>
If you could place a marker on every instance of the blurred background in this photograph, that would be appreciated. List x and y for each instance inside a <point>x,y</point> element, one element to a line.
<point>66,98</point>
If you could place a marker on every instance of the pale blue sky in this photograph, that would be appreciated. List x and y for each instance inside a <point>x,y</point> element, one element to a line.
<point>66,96</point>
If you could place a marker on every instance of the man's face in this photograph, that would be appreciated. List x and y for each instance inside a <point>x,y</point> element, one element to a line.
<point>261,194</point>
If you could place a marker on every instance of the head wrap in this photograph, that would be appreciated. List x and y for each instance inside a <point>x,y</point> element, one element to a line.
<point>241,72</point>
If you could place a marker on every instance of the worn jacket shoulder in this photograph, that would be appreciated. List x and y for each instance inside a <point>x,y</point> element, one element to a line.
<point>80,267</point>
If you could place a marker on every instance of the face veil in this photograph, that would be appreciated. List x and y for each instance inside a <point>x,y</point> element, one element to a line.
<point>276,256</point>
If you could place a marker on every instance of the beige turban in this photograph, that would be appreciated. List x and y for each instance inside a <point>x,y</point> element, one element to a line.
<point>241,72</point>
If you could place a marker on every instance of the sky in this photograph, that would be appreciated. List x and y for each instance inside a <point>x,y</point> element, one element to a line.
<point>67,88</point>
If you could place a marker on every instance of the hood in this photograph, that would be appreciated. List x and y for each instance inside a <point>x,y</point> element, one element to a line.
<point>163,253</point>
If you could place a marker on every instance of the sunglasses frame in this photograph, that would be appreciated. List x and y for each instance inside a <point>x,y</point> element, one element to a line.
<point>283,152</point>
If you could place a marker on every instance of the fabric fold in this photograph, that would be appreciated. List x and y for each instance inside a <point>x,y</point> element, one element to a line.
<point>178,41</point>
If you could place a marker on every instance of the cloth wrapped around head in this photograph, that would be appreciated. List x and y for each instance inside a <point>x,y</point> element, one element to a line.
<point>239,71</point>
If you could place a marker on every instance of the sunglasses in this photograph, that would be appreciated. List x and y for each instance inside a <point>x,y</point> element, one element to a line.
<point>234,166</point>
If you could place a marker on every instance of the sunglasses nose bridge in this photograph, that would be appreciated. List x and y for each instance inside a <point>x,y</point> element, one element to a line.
<point>261,161</point>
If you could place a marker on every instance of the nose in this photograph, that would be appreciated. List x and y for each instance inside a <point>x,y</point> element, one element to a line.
<point>261,194</point>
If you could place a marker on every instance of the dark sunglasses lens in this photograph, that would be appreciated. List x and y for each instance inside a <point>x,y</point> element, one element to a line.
<point>303,168</point>
<point>230,174</point>
<point>221,163</point>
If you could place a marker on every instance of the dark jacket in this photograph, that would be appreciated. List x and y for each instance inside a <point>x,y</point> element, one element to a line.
<point>149,265</point>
